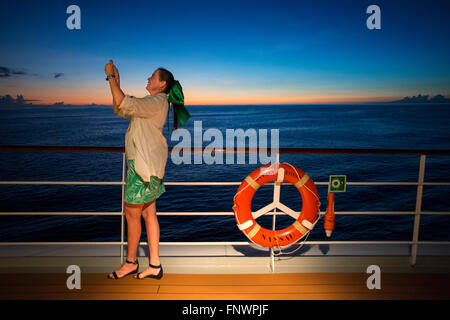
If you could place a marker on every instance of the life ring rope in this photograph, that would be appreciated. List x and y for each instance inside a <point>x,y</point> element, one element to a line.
<point>319,216</point>
<point>303,181</point>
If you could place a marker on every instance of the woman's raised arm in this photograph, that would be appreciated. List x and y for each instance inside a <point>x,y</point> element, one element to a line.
<point>116,92</point>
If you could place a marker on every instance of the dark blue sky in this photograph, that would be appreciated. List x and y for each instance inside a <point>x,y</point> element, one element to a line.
<point>228,51</point>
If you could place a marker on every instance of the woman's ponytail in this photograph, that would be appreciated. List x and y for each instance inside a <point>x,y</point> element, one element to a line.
<point>176,97</point>
<point>180,113</point>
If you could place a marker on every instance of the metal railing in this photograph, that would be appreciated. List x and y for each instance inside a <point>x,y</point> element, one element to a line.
<point>417,213</point>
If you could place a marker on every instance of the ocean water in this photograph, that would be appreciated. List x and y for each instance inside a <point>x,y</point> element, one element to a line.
<point>386,126</point>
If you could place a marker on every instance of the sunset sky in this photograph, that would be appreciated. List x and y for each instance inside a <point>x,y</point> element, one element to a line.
<point>227,52</point>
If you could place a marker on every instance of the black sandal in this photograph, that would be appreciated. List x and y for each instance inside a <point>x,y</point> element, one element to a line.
<point>158,276</point>
<point>115,277</point>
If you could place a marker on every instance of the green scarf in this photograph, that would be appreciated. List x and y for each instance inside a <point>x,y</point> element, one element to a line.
<point>176,97</point>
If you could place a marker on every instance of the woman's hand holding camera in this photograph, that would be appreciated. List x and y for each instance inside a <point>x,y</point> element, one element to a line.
<point>110,69</point>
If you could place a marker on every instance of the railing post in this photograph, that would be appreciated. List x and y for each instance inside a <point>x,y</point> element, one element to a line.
<point>272,256</point>
<point>418,209</point>
<point>122,228</point>
<point>277,196</point>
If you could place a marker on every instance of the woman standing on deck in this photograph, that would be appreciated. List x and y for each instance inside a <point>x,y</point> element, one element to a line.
<point>146,151</point>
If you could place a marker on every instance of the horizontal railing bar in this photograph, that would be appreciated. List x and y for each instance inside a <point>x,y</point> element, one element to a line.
<point>60,213</point>
<point>231,150</point>
<point>62,182</point>
<point>207,213</point>
<point>436,183</point>
<point>112,243</point>
<point>318,183</point>
<point>434,212</point>
<point>390,212</point>
<point>309,242</point>
<point>217,243</point>
<point>200,183</point>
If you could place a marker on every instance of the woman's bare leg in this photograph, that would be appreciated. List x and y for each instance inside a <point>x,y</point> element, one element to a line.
<point>134,229</point>
<point>152,228</point>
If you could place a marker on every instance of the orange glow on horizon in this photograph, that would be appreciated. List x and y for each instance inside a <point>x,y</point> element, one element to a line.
<point>101,96</point>
<point>258,100</point>
<point>231,101</point>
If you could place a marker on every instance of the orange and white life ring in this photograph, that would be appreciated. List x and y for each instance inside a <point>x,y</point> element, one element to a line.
<point>284,237</point>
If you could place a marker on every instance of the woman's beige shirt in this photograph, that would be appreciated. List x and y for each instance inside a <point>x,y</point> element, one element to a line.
<point>144,140</point>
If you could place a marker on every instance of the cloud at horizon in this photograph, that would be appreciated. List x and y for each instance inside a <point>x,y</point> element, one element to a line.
<point>7,72</point>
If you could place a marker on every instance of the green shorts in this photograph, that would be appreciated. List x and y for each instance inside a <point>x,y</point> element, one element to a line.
<point>139,191</point>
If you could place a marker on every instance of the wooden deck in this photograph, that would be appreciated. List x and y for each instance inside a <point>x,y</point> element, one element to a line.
<point>298,286</point>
